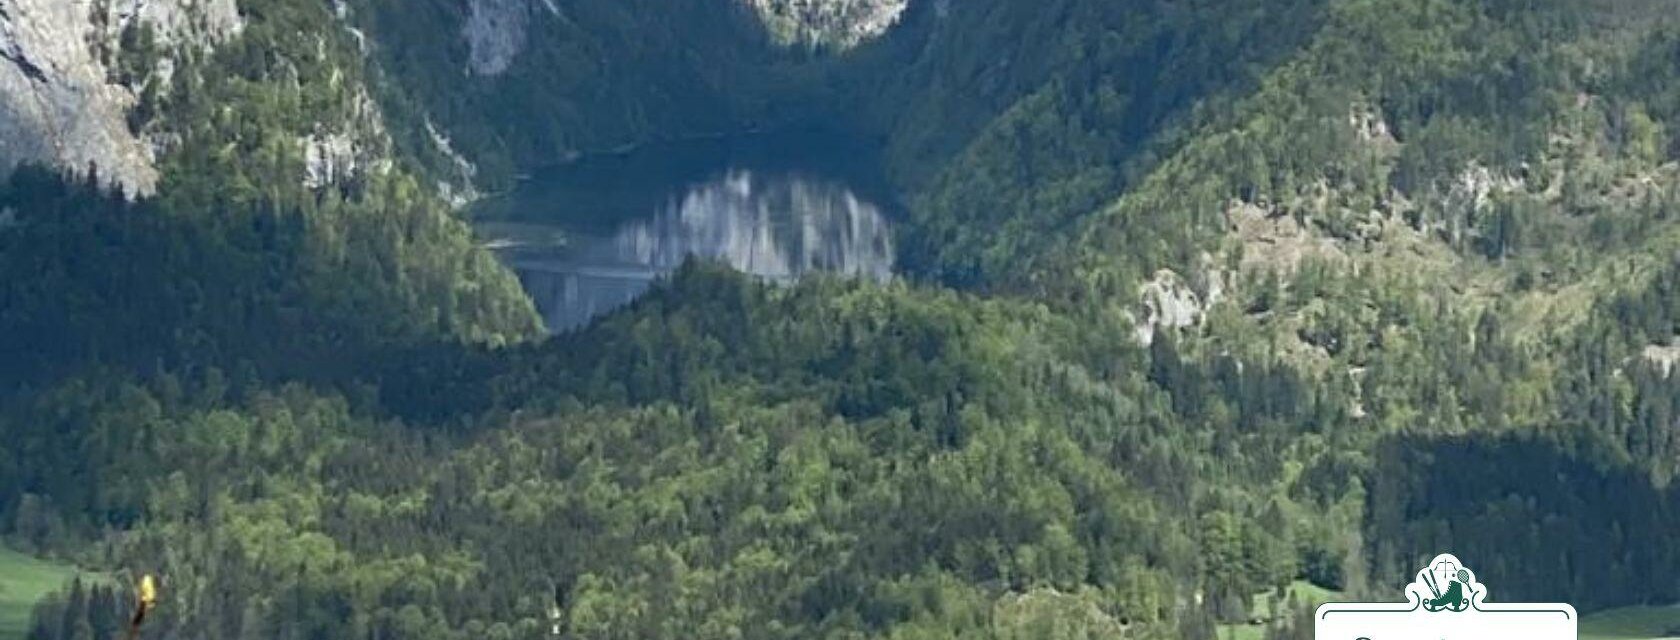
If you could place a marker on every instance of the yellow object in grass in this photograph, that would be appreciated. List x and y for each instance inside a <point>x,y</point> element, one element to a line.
<point>148,592</point>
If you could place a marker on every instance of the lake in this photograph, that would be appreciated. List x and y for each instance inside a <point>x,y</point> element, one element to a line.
<point>589,236</point>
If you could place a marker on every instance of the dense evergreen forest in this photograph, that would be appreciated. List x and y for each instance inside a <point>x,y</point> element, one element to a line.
<point>1431,246</point>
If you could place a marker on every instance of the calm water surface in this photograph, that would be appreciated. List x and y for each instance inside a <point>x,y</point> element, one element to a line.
<point>590,236</point>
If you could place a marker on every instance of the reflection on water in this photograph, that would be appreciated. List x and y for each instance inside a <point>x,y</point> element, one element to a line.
<point>777,227</point>
<point>774,224</point>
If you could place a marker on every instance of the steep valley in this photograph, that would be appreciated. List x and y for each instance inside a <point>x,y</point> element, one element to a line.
<point>1073,319</point>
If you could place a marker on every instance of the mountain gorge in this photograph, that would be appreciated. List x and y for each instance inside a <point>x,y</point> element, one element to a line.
<point>1198,300</point>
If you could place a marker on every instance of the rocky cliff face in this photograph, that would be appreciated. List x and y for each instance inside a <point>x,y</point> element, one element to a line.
<point>496,31</point>
<point>61,103</point>
<point>837,23</point>
<point>69,83</point>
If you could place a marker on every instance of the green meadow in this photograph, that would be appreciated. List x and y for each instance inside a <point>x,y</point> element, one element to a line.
<point>1632,623</point>
<point>24,580</point>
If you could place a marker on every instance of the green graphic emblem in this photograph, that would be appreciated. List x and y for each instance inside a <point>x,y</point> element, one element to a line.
<point>1445,602</point>
<point>1456,593</point>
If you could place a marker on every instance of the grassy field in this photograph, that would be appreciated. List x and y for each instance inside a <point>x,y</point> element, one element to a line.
<point>1632,623</point>
<point>1263,605</point>
<point>23,581</point>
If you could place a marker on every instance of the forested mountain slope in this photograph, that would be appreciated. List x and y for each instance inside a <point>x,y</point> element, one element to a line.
<point>1205,298</point>
<point>277,199</point>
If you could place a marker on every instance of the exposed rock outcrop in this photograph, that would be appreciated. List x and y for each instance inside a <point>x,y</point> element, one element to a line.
<point>458,187</point>
<point>496,32</point>
<point>338,151</point>
<point>1168,303</point>
<point>1663,357</point>
<point>838,23</point>
<point>193,23</point>
<point>1276,241</point>
<point>59,101</point>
